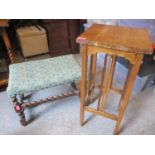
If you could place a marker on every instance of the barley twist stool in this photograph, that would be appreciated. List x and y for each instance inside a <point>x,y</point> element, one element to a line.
<point>32,76</point>
<point>129,43</point>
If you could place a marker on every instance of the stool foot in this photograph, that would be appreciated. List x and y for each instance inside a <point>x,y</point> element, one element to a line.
<point>22,118</point>
<point>19,110</point>
<point>73,85</point>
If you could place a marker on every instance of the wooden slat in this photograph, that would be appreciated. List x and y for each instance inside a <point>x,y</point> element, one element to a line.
<point>104,114</point>
<point>93,75</point>
<point>102,81</point>
<point>89,79</point>
<point>109,81</point>
<point>116,90</point>
<point>106,83</point>
<point>112,70</point>
<point>127,55</point>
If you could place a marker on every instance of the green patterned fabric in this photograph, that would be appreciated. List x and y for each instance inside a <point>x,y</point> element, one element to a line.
<point>32,76</point>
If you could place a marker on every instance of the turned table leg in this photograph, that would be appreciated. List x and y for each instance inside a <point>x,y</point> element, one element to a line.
<point>132,73</point>
<point>73,85</point>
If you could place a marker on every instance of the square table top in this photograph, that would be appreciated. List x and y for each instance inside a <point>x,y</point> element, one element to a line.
<point>117,38</point>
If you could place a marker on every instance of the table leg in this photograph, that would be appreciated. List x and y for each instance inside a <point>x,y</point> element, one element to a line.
<point>83,83</point>
<point>132,73</point>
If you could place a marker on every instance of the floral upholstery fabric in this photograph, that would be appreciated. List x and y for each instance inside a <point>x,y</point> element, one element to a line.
<point>36,75</point>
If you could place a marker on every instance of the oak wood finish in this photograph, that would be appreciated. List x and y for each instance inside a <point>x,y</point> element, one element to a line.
<point>118,38</point>
<point>89,81</point>
<point>132,73</point>
<point>3,24</point>
<point>101,87</point>
<point>104,95</point>
<point>129,43</point>
<point>105,114</point>
<point>83,83</point>
<point>109,81</point>
<point>116,90</point>
<point>94,61</point>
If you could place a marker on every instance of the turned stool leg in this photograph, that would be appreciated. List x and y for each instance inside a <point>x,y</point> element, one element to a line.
<point>22,118</point>
<point>132,73</point>
<point>18,108</point>
<point>8,45</point>
<point>20,98</point>
<point>73,84</point>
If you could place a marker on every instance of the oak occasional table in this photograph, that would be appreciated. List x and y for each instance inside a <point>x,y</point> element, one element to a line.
<point>113,41</point>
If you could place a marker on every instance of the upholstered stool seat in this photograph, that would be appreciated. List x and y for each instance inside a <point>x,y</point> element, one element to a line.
<point>32,76</point>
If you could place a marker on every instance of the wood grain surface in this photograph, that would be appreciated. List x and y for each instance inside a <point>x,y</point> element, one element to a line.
<point>117,38</point>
